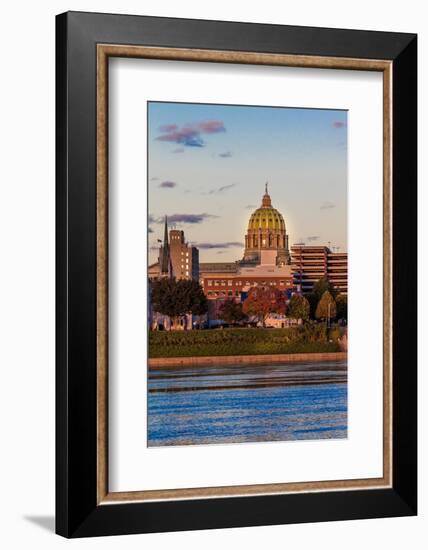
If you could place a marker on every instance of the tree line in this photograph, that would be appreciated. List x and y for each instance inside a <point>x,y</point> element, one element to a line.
<point>177,298</point>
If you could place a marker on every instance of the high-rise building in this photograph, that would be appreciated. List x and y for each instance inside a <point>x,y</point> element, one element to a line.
<point>177,258</point>
<point>309,264</point>
<point>184,257</point>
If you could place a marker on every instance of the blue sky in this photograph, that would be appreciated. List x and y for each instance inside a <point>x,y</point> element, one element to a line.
<point>208,164</point>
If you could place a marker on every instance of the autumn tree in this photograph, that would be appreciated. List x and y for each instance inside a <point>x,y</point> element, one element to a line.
<point>178,298</point>
<point>262,301</point>
<point>298,307</point>
<point>326,308</point>
<point>231,312</point>
<point>321,286</point>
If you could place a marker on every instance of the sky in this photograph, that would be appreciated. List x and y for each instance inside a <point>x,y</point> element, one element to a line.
<point>208,165</point>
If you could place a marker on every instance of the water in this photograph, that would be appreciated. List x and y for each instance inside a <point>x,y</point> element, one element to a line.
<point>247,402</point>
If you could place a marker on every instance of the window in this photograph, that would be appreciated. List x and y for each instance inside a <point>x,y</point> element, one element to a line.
<point>229,282</point>
<point>229,293</point>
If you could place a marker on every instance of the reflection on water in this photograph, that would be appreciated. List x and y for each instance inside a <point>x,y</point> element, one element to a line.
<point>237,403</point>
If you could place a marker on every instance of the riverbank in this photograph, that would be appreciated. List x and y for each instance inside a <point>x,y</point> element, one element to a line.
<point>166,362</point>
<point>308,338</point>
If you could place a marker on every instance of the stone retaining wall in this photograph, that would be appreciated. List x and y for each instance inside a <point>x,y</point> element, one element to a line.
<point>165,362</point>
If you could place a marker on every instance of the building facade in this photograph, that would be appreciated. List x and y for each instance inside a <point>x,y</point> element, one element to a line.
<point>309,264</point>
<point>177,258</point>
<point>232,280</point>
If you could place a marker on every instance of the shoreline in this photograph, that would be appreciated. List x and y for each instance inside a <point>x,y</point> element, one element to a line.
<point>165,362</point>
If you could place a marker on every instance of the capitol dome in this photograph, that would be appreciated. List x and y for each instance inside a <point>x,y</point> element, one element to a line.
<point>266,217</point>
<point>266,232</point>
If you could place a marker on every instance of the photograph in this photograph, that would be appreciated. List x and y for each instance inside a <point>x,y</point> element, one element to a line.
<point>247,274</point>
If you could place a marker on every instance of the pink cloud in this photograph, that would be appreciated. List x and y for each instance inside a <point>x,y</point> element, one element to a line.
<point>190,135</point>
<point>168,128</point>
<point>211,126</point>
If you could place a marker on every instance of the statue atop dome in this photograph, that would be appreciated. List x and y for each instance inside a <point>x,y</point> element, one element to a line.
<point>266,241</point>
<point>266,202</point>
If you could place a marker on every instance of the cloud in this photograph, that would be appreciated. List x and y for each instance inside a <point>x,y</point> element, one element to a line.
<point>327,205</point>
<point>174,219</point>
<point>225,155</point>
<point>251,206</point>
<point>210,246</point>
<point>178,150</point>
<point>338,124</point>
<point>167,184</point>
<point>190,134</point>
<point>168,128</point>
<point>189,218</point>
<point>313,238</point>
<point>211,126</point>
<point>221,189</point>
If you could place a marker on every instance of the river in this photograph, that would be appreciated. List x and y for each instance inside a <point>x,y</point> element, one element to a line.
<point>200,405</point>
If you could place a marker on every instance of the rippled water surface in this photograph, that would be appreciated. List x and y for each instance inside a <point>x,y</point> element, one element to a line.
<point>237,403</point>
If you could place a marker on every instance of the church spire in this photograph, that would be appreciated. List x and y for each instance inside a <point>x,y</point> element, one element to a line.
<point>165,250</point>
<point>165,233</point>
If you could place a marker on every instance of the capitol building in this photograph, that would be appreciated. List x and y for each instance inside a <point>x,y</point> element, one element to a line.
<point>266,261</point>
<point>266,240</point>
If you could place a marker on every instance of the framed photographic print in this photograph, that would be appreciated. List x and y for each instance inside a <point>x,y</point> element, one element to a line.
<point>236,274</point>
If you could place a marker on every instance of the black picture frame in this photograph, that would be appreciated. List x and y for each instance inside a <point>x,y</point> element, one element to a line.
<point>77,511</point>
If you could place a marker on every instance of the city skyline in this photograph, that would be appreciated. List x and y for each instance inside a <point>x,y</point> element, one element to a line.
<point>208,165</point>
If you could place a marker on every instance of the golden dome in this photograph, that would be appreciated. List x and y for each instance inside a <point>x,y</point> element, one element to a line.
<point>266,217</point>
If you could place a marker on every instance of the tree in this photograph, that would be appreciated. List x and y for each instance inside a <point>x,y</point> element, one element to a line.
<point>342,307</point>
<point>231,312</point>
<point>178,298</point>
<point>321,286</point>
<point>197,301</point>
<point>262,301</point>
<point>298,308</point>
<point>326,308</point>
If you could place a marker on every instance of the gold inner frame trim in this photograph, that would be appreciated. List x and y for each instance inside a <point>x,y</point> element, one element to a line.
<point>104,51</point>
